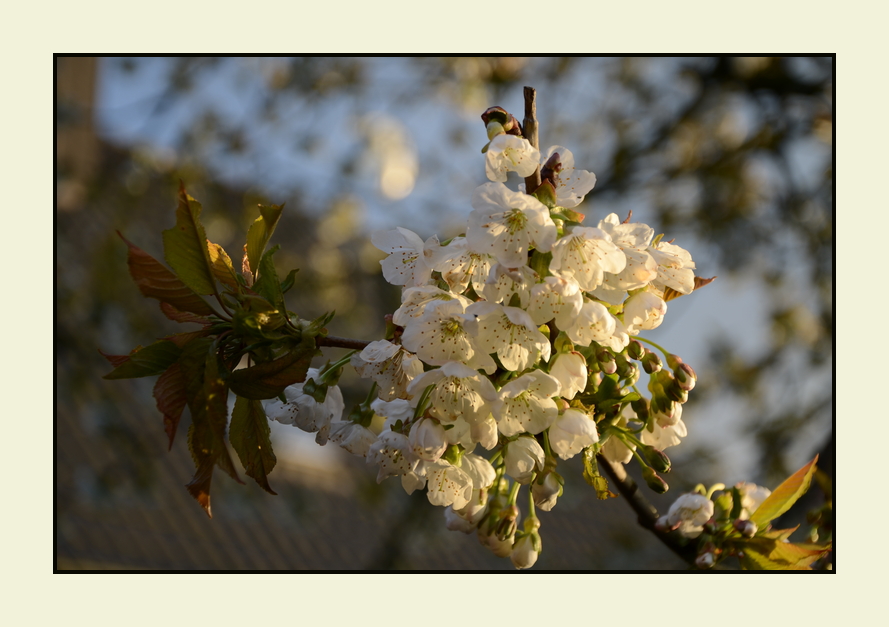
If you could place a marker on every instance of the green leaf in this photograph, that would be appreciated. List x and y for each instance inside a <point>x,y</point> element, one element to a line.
<point>767,554</point>
<point>185,246</point>
<point>249,435</point>
<point>146,362</point>
<point>785,495</point>
<point>207,400</point>
<point>259,233</point>
<point>592,476</point>
<point>221,265</point>
<point>269,379</point>
<point>156,281</point>
<point>288,282</point>
<point>267,285</point>
<point>169,393</point>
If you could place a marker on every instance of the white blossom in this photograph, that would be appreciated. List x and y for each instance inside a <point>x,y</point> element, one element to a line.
<point>526,404</point>
<point>643,311</point>
<point>523,457</point>
<point>572,432</point>
<point>633,239</point>
<point>353,437</point>
<point>508,153</point>
<point>585,255</point>
<point>304,412</point>
<point>571,184</point>
<point>392,452</point>
<point>523,554</point>
<point>547,493</point>
<point>615,449</point>
<point>444,333</point>
<point>390,365</point>
<point>555,298</point>
<point>690,511</point>
<point>447,485</point>
<point>752,496</point>
<point>415,299</point>
<point>664,437</point>
<point>506,224</point>
<point>459,391</point>
<point>504,282</point>
<point>485,433</point>
<point>571,371</point>
<point>511,333</point>
<point>407,261</point>
<point>427,439</point>
<point>594,323</point>
<point>675,268</point>
<point>460,266</point>
<point>479,470</point>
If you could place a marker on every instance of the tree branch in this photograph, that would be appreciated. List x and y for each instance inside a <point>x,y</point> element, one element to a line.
<point>645,511</point>
<point>529,131</point>
<point>340,342</point>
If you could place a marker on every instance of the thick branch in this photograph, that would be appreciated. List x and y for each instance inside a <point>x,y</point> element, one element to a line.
<point>341,342</point>
<point>647,514</point>
<point>529,131</point>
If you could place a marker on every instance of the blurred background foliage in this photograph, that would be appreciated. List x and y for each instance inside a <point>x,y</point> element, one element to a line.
<point>732,157</point>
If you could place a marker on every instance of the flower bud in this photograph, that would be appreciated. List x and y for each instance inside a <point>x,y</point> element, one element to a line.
<point>545,494</point>
<point>508,524</point>
<point>525,551</point>
<point>641,408</point>
<point>606,361</point>
<point>685,377</point>
<point>546,194</point>
<point>549,171</point>
<point>663,524</point>
<point>653,481</point>
<point>635,350</point>
<point>746,528</point>
<point>705,560</point>
<point>494,129</point>
<point>651,362</point>
<point>504,118</point>
<point>658,460</point>
<point>676,393</point>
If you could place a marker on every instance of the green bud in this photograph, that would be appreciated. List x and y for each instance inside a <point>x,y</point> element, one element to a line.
<point>606,361</point>
<point>685,377</point>
<point>641,409</point>
<point>494,129</point>
<point>653,481</point>
<point>546,194</point>
<point>651,362</point>
<point>635,350</point>
<point>658,460</point>
<point>676,393</point>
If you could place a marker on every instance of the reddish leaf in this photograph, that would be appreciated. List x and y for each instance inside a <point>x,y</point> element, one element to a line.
<point>181,339</point>
<point>169,392</point>
<point>115,360</point>
<point>785,495</point>
<point>199,486</point>
<point>146,362</point>
<point>269,379</point>
<point>249,435</point>
<point>156,281</point>
<point>185,246</point>
<point>182,316</point>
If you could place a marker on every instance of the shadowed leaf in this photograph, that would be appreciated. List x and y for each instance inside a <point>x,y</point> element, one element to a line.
<point>115,360</point>
<point>181,339</point>
<point>185,246</point>
<point>785,495</point>
<point>156,281</point>
<point>249,435</point>
<point>145,362</point>
<point>269,379</point>
<point>267,285</point>
<point>169,393</point>
<point>259,233</point>
<point>182,316</point>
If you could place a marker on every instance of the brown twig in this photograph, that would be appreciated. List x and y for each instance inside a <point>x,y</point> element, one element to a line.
<point>341,342</point>
<point>529,131</point>
<point>645,511</point>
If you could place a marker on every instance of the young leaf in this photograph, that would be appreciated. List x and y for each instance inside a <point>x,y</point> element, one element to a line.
<point>288,282</point>
<point>249,435</point>
<point>115,360</point>
<point>592,476</point>
<point>269,379</point>
<point>267,285</point>
<point>785,495</point>
<point>221,265</point>
<point>155,281</point>
<point>207,399</point>
<point>766,554</point>
<point>185,246</point>
<point>182,316</point>
<point>169,393</point>
<point>145,362</point>
<point>259,233</point>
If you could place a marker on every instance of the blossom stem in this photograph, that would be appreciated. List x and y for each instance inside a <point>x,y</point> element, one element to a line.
<point>341,342</point>
<point>657,346</point>
<point>513,493</point>
<point>529,130</point>
<point>339,364</point>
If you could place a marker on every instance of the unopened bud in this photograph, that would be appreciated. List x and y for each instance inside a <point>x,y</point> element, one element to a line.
<point>676,393</point>
<point>641,408</point>
<point>549,171</point>
<point>685,377</point>
<point>546,194</point>
<point>653,481</point>
<point>657,459</point>
<point>651,362</point>
<point>705,560</point>
<point>746,528</point>
<point>507,526</point>
<point>504,118</point>
<point>635,350</point>
<point>606,361</point>
<point>494,129</point>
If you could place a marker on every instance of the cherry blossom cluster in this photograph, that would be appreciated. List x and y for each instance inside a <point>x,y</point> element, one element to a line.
<point>516,338</point>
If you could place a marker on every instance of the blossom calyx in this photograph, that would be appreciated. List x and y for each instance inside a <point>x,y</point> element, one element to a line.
<point>657,459</point>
